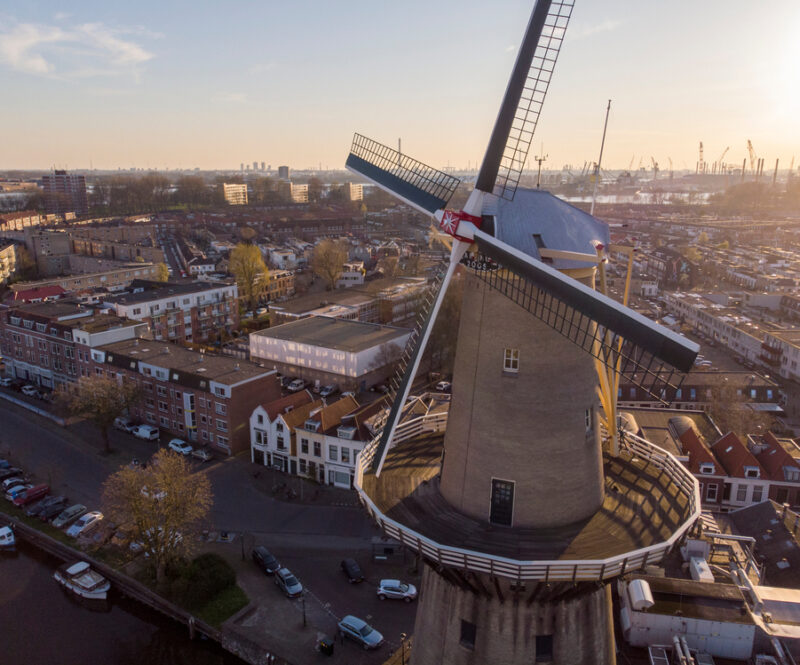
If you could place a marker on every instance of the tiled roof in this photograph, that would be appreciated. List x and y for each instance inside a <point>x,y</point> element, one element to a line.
<point>734,455</point>
<point>774,458</point>
<point>278,406</point>
<point>331,416</point>
<point>299,415</point>
<point>42,292</point>
<point>697,451</point>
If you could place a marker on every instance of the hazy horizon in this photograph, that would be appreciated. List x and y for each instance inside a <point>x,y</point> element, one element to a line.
<point>130,86</point>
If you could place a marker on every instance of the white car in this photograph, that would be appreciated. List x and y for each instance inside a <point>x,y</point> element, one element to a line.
<point>397,590</point>
<point>29,390</point>
<point>6,381</point>
<point>149,432</point>
<point>296,386</point>
<point>179,446</point>
<point>444,386</point>
<point>85,523</point>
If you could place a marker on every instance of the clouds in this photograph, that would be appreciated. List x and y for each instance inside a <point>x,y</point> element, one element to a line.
<point>78,51</point>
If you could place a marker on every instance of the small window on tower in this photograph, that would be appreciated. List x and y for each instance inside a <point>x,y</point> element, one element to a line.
<point>544,648</point>
<point>511,360</point>
<point>468,632</point>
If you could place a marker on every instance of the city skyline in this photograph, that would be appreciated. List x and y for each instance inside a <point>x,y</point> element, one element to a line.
<point>124,86</point>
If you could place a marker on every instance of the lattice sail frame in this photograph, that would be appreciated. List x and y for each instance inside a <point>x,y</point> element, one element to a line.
<point>641,354</point>
<point>423,186</point>
<point>522,104</point>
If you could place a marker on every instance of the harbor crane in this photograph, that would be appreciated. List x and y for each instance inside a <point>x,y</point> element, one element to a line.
<point>701,165</point>
<point>753,157</point>
<point>670,167</point>
<point>655,167</point>
<point>721,157</point>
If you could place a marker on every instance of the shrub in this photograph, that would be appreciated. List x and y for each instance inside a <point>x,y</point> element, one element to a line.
<point>204,578</point>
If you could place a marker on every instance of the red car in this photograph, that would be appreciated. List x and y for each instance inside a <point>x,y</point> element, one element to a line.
<point>32,494</point>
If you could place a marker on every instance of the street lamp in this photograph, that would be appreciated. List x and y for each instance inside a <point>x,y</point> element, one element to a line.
<point>403,638</point>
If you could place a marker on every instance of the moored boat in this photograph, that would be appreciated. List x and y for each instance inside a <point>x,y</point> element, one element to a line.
<point>8,542</point>
<point>81,580</point>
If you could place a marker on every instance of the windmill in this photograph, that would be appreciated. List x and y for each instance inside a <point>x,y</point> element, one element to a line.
<point>520,500</point>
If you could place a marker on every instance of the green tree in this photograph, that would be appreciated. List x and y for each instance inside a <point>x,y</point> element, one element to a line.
<point>160,507</point>
<point>99,399</point>
<point>328,260</point>
<point>162,272</point>
<point>248,268</point>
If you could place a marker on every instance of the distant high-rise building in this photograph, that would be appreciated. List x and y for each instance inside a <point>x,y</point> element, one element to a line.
<point>255,166</point>
<point>355,191</point>
<point>263,164</point>
<point>235,194</point>
<point>283,172</point>
<point>241,166</point>
<point>65,193</point>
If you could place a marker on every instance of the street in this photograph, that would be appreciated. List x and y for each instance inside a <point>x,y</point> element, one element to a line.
<point>308,538</point>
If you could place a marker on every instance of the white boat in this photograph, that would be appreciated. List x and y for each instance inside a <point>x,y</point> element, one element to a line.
<point>83,581</point>
<point>7,540</point>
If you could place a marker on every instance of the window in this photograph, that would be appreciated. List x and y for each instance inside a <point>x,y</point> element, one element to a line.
<point>741,493</point>
<point>222,425</point>
<point>303,466</point>
<point>317,449</point>
<point>468,632</point>
<point>260,419</point>
<point>587,417</point>
<point>161,391</point>
<point>149,402</point>
<point>711,492</point>
<point>782,496</point>
<point>544,648</point>
<point>706,467</point>
<point>502,502</point>
<point>750,472</point>
<point>304,446</point>
<point>162,406</point>
<point>346,455</point>
<point>164,421</point>
<point>333,453</point>
<point>511,360</point>
<point>281,444</point>
<point>222,441</point>
<point>279,427</point>
<point>758,491</point>
<point>205,434</point>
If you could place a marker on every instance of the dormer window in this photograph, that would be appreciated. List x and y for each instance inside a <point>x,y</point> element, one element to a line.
<point>707,468</point>
<point>312,425</point>
<point>751,472</point>
<point>346,433</point>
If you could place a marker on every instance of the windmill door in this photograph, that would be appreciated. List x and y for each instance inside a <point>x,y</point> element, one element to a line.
<point>502,510</point>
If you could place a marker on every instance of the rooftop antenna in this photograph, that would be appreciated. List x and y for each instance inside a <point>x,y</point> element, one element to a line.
<point>599,159</point>
<point>541,158</point>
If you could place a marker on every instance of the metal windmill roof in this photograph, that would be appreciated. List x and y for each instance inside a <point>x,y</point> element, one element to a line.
<point>535,212</point>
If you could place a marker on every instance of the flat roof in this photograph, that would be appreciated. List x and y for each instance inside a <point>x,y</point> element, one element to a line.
<point>189,365</point>
<point>333,333</point>
<point>161,290</point>
<point>351,296</point>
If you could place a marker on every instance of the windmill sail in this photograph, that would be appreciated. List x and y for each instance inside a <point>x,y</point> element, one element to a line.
<point>516,122</point>
<point>649,355</point>
<point>419,185</point>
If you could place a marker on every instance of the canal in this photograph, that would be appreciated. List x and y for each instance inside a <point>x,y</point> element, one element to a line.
<point>43,624</point>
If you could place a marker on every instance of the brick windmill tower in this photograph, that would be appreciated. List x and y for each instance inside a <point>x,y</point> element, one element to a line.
<point>520,510</point>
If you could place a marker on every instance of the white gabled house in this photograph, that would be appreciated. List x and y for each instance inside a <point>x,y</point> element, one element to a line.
<point>270,434</point>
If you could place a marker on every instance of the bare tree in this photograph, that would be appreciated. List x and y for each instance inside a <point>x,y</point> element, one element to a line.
<point>388,354</point>
<point>99,399</point>
<point>248,267</point>
<point>327,261</point>
<point>160,506</point>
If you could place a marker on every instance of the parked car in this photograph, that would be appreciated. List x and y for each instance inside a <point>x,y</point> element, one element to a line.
<point>5,464</point>
<point>202,454</point>
<point>149,432</point>
<point>6,381</point>
<point>360,631</point>
<point>396,589</point>
<point>15,491</point>
<point>327,391</point>
<point>29,390</point>
<point>261,311</point>
<point>124,424</point>
<point>179,446</point>
<point>288,583</point>
<point>286,380</point>
<point>51,507</point>
<point>348,393</point>
<point>352,570</point>
<point>247,315</point>
<point>444,386</point>
<point>31,494</point>
<point>265,560</point>
<point>68,515</point>
<point>10,472</point>
<point>296,386</point>
<point>85,523</point>
<point>8,483</point>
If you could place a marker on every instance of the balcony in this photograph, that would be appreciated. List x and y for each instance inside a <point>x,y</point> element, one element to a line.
<point>651,501</point>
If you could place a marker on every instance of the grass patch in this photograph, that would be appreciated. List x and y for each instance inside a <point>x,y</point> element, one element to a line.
<point>227,603</point>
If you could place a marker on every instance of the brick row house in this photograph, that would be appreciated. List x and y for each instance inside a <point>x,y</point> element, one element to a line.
<point>180,312</point>
<point>305,437</point>
<point>43,343</point>
<point>202,398</point>
<point>732,472</point>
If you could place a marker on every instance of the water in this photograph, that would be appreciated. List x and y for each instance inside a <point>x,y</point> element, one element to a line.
<point>40,623</point>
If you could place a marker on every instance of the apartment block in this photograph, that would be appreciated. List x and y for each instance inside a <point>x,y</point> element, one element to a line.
<point>180,312</point>
<point>203,398</point>
<point>235,194</point>
<point>64,193</point>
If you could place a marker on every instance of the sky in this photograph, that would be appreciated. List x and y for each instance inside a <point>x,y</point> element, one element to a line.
<point>187,84</point>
